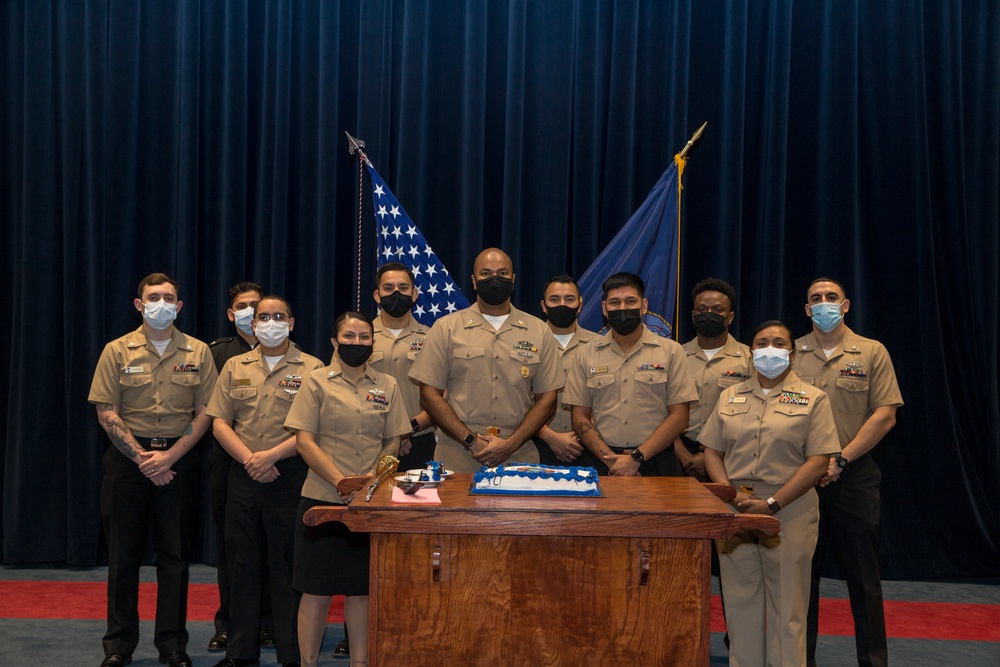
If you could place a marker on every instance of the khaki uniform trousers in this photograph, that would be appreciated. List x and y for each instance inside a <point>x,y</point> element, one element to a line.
<point>767,586</point>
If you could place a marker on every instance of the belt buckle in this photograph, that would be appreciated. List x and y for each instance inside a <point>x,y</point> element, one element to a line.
<point>493,430</point>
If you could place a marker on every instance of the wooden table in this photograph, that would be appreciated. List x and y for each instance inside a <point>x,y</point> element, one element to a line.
<point>508,580</point>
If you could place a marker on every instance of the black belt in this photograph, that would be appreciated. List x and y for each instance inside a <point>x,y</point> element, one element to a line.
<point>147,444</point>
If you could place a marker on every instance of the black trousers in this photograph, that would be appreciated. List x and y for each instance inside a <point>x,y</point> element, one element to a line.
<point>584,460</point>
<point>218,471</point>
<point>129,502</point>
<point>421,451</point>
<point>260,539</point>
<point>849,530</point>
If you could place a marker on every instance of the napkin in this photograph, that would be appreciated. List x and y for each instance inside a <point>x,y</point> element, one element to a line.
<point>421,497</point>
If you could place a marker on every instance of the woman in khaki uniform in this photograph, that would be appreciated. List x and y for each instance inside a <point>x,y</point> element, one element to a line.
<point>346,417</point>
<point>770,438</point>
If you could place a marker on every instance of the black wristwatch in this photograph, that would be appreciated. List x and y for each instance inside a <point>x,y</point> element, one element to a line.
<point>637,456</point>
<point>773,505</point>
<point>841,461</point>
<point>469,439</point>
<point>414,425</point>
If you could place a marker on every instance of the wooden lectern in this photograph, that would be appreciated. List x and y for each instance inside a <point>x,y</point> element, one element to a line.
<point>512,580</point>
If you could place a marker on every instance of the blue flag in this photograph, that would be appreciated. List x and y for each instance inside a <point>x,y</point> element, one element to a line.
<point>399,240</point>
<point>647,246</point>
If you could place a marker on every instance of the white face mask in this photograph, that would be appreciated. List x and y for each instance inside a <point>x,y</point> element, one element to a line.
<point>770,361</point>
<point>243,317</point>
<point>159,314</point>
<point>271,333</point>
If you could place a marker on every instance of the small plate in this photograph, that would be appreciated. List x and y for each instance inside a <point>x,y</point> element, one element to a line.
<point>414,473</point>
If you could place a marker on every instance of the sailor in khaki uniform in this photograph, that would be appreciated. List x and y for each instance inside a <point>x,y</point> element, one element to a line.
<point>770,438</point>
<point>858,375</point>
<point>152,383</point>
<point>716,360</point>
<point>561,304</point>
<point>346,417</point>
<point>249,406</point>
<point>630,389</point>
<point>500,369</point>
<point>399,337</point>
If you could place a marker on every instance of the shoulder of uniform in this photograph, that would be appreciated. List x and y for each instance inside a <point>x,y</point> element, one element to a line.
<point>224,340</point>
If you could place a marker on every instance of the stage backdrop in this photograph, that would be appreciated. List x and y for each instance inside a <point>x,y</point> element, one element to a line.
<point>205,139</point>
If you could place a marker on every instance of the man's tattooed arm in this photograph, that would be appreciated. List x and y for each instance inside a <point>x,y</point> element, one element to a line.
<point>119,433</point>
<point>589,435</point>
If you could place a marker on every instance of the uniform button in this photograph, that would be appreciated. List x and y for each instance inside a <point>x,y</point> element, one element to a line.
<point>755,455</point>
<point>625,381</point>
<point>358,411</point>
<point>625,422</point>
<point>496,377</point>
<point>497,357</point>
<point>625,402</point>
<point>357,432</point>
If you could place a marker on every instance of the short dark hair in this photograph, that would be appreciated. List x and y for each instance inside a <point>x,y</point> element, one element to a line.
<point>243,288</point>
<point>393,266</point>
<point>158,279</point>
<point>562,278</point>
<point>772,323</point>
<point>624,279</point>
<point>715,285</point>
<point>824,279</point>
<point>338,323</point>
<point>275,297</point>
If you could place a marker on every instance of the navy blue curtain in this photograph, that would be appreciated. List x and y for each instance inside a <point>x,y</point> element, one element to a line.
<point>205,139</point>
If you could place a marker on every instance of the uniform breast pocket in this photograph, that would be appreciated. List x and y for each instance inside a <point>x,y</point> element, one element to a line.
<point>244,398</point>
<point>469,363</point>
<point>185,384</point>
<point>134,380</point>
<point>411,355</point>
<point>651,389</point>
<point>734,419</point>
<point>852,395</point>
<point>522,368</point>
<point>791,423</point>
<point>723,383</point>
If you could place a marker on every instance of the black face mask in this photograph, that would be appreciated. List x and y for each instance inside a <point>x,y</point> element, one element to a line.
<point>625,321</point>
<point>562,316</point>
<point>354,355</point>
<point>396,304</point>
<point>495,289</point>
<point>709,325</point>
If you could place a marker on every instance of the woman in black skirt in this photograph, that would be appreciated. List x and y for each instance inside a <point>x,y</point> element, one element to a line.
<point>346,417</point>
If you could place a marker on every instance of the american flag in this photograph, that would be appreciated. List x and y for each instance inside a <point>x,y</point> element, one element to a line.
<point>399,240</point>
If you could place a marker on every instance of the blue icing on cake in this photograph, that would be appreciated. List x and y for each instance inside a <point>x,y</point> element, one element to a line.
<point>533,479</point>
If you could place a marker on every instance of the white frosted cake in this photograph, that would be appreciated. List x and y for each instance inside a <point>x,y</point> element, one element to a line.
<point>533,479</point>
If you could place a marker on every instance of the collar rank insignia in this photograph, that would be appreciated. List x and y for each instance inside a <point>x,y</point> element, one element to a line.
<point>417,345</point>
<point>853,369</point>
<point>793,398</point>
<point>736,374</point>
<point>525,345</point>
<point>377,396</point>
<point>649,367</point>
<point>186,368</point>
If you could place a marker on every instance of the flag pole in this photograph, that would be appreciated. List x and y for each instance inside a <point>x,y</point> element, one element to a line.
<point>355,146</point>
<point>681,161</point>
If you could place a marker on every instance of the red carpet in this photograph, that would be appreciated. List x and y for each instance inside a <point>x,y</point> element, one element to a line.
<point>905,620</point>
<point>88,600</point>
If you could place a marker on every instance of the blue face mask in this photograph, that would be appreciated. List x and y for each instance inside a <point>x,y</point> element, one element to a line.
<point>159,314</point>
<point>770,361</point>
<point>826,316</point>
<point>243,317</point>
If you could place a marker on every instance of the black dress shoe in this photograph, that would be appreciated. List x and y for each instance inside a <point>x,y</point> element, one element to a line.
<point>342,650</point>
<point>236,662</point>
<point>267,638</point>
<point>116,660</point>
<point>218,641</point>
<point>177,659</point>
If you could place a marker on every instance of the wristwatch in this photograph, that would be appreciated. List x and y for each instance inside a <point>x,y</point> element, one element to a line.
<point>414,425</point>
<point>637,456</point>
<point>841,461</point>
<point>469,439</point>
<point>773,505</point>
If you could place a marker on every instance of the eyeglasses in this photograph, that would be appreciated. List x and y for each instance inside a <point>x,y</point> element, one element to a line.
<point>277,317</point>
